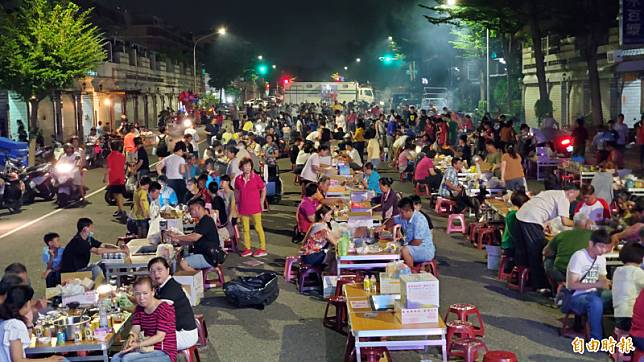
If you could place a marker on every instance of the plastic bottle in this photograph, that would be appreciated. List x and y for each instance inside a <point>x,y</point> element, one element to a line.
<point>343,245</point>
<point>366,284</point>
<point>373,283</point>
<point>103,321</point>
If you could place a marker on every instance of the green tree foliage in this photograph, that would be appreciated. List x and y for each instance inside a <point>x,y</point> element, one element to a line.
<point>469,39</point>
<point>44,45</point>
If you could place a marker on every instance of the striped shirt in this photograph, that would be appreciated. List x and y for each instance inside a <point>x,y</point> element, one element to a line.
<point>162,319</point>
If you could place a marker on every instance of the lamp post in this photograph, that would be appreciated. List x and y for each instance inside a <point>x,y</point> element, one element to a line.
<point>221,32</point>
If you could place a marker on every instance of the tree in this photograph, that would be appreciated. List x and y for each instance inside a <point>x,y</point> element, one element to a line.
<point>44,45</point>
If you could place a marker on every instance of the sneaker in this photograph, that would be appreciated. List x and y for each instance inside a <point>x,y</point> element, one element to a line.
<point>260,252</point>
<point>246,253</point>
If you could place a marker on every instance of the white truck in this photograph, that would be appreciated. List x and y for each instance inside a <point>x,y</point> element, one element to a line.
<point>317,92</point>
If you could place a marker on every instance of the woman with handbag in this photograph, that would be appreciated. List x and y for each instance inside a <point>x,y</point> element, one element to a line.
<point>153,333</point>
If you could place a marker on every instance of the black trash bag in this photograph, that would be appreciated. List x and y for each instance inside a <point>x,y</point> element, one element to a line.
<point>258,291</point>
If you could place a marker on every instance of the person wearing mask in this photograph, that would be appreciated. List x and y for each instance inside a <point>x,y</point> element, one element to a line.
<point>52,257</point>
<point>141,208</point>
<point>531,217</point>
<point>628,282</point>
<point>596,209</point>
<point>318,238</point>
<point>511,232</point>
<point>175,169</point>
<point>167,196</point>
<point>16,315</point>
<point>558,251</point>
<point>418,244</point>
<point>77,252</point>
<point>250,195</point>
<point>307,207</point>
<point>204,241</point>
<point>312,167</point>
<point>167,288</point>
<point>388,200</point>
<point>157,321</point>
<point>586,275</point>
<point>512,170</point>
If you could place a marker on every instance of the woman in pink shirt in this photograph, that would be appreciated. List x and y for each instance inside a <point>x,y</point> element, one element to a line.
<point>306,209</point>
<point>250,194</point>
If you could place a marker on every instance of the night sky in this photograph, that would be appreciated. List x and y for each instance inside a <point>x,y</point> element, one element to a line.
<point>310,38</point>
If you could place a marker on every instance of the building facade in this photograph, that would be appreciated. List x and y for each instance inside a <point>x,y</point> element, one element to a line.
<point>620,72</point>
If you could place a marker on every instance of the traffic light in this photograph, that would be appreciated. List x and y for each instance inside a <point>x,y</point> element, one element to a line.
<point>387,59</point>
<point>262,69</point>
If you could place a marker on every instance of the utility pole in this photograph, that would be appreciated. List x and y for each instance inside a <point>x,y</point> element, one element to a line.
<point>487,69</point>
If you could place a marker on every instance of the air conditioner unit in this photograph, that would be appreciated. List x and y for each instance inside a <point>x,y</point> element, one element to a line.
<point>614,56</point>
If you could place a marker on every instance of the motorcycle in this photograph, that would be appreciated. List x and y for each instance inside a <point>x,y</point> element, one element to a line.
<point>130,187</point>
<point>66,191</point>
<point>93,154</point>
<point>11,189</point>
<point>37,180</point>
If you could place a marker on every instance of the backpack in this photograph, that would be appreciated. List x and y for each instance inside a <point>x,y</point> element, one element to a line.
<point>162,147</point>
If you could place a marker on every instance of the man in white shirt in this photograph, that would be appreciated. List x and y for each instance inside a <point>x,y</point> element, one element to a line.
<point>233,161</point>
<point>531,217</point>
<point>596,209</point>
<point>312,166</point>
<point>586,275</point>
<point>356,162</point>
<point>195,137</point>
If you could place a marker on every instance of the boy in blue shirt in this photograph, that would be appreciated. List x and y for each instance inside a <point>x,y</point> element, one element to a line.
<point>52,256</point>
<point>371,178</point>
<point>167,196</point>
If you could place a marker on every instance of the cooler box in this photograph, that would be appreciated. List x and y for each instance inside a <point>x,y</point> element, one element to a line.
<point>419,290</point>
<point>329,283</point>
<point>389,285</point>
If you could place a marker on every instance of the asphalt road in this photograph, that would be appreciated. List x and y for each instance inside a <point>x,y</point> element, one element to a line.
<point>290,329</point>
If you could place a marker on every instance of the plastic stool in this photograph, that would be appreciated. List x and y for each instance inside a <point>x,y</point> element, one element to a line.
<point>444,206</point>
<point>371,354</point>
<point>503,276</point>
<point>336,322</point>
<point>202,331</point>
<point>500,356</point>
<point>451,228</point>
<point>567,331</point>
<point>191,354</point>
<point>429,266</point>
<point>422,193</point>
<point>473,230</point>
<point>288,267</point>
<point>304,273</point>
<point>459,328</point>
<point>520,274</point>
<point>467,348</point>
<point>617,355</point>
<point>212,283</point>
<point>463,311</point>
<point>486,236</point>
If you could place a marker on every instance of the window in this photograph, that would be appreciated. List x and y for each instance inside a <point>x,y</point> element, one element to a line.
<point>368,93</point>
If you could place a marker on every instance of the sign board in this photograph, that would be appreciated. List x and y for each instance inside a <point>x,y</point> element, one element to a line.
<point>631,29</point>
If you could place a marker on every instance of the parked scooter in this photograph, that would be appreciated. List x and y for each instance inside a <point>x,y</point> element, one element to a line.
<point>11,191</point>
<point>66,171</point>
<point>38,180</point>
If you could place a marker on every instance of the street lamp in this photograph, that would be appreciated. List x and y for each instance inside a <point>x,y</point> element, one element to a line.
<point>260,57</point>
<point>390,38</point>
<point>451,3</point>
<point>274,66</point>
<point>346,68</point>
<point>221,32</point>
<point>357,60</point>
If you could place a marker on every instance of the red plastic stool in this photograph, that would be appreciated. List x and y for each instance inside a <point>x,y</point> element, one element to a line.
<point>503,276</point>
<point>213,283</point>
<point>190,354</point>
<point>371,354</point>
<point>444,206</point>
<point>463,311</point>
<point>202,331</point>
<point>500,356</point>
<point>422,193</point>
<point>486,236</point>
<point>617,355</point>
<point>568,331</point>
<point>520,275</point>
<point>459,328</point>
<point>336,322</point>
<point>473,230</point>
<point>288,267</point>
<point>452,228</point>
<point>428,266</point>
<point>467,348</point>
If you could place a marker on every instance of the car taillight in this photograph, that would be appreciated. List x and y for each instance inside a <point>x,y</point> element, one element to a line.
<point>565,141</point>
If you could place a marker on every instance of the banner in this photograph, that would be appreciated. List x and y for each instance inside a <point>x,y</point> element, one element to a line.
<point>632,31</point>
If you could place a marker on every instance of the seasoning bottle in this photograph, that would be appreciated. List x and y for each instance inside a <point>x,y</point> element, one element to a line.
<point>366,284</point>
<point>373,283</point>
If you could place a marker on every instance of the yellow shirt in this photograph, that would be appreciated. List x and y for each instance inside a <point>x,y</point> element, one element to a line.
<point>226,137</point>
<point>141,205</point>
<point>248,126</point>
<point>359,135</point>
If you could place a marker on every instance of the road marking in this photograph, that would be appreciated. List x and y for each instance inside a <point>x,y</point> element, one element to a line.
<point>32,222</point>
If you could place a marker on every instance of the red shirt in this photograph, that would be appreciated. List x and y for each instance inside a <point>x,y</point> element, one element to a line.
<point>249,201</point>
<point>162,319</point>
<point>116,168</point>
<point>637,323</point>
<point>422,169</point>
<point>307,207</point>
